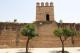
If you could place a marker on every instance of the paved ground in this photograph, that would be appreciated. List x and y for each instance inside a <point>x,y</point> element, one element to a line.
<point>39,50</point>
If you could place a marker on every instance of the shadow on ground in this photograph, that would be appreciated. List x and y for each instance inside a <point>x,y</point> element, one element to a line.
<point>20,52</point>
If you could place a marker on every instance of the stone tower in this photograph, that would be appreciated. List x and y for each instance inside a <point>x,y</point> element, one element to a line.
<point>45,25</point>
<point>44,11</point>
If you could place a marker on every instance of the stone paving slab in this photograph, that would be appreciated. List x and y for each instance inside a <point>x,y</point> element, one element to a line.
<point>39,50</point>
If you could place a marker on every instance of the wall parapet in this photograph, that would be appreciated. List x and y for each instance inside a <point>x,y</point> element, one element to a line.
<point>44,4</point>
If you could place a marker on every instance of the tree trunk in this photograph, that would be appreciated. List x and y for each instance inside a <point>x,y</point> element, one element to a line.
<point>72,40</point>
<point>27,44</point>
<point>17,40</point>
<point>62,47</point>
<point>62,41</point>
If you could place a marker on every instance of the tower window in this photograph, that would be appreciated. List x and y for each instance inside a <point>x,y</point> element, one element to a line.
<point>47,17</point>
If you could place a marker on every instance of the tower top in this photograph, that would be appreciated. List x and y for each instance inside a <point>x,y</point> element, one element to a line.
<point>44,4</point>
<point>44,11</point>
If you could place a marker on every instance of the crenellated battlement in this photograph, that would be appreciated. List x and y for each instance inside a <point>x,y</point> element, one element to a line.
<point>44,4</point>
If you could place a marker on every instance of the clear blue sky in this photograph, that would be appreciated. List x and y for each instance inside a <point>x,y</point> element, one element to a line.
<point>25,10</point>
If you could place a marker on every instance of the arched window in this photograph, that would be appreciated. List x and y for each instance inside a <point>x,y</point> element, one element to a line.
<point>47,17</point>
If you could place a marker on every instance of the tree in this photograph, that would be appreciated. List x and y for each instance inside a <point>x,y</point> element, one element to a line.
<point>73,33</point>
<point>63,34</point>
<point>30,32</point>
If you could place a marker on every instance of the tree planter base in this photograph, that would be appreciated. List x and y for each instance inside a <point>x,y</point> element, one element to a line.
<point>61,52</point>
<point>24,52</point>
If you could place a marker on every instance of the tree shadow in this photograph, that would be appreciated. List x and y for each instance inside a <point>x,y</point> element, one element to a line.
<point>58,52</point>
<point>20,52</point>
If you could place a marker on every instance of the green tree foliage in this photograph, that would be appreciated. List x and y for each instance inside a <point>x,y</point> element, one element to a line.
<point>73,33</point>
<point>64,34</point>
<point>30,32</point>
